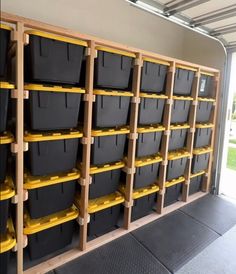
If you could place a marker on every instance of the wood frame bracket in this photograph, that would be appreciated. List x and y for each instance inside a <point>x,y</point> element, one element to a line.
<point>15,147</point>
<point>81,221</point>
<point>167,132</point>
<point>164,162</point>
<point>14,199</point>
<point>133,136</point>
<point>82,181</point>
<point>15,37</point>
<point>87,97</point>
<point>128,204</point>
<point>25,243</point>
<point>135,100</point>
<point>194,102</point>
<point>138,62</point>
<point>162,191</point>
<point>85,140</point>
<point>192,130</point>
<point>129,170</point>
<point>87,51</point>
<point>169,102</point>
<point>15,94</point>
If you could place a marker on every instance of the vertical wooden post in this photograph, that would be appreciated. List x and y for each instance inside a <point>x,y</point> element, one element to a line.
<point>190,137</point>
<point>213,118</point>
<point>86,140</point>
<point>166,136</point>
<point>130,165</point>
<point>19,37</point>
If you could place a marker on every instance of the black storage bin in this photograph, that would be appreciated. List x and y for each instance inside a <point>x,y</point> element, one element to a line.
<point>153,77</point>
<point>202,136</point>
<point>206,86</point>
<point>203,111</point>
<point>5,140</point>
<point>50,194</point>
<point>113,68</point>
<point>200,159</point>
<point>53,59</point>
<point>5,32</point>
<point>149,140</point>
<point>49,234</point>
<point>146,171</point>
<point>151,109</point>
<point>183,81</point>
<point>180,111</point>
<point>111,108</point>
<point>172,193</point>
<point>178,136</point>
<point>52,107</point>
<point>108,146</point>
<point>5,89</point>
<point>176,165</point>
<point>7,242</point>
<point>105,179</point>
<point>195,184</point>
<point>52,152</point>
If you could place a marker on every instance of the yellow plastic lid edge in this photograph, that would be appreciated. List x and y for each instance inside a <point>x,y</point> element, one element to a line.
<point>202,150</point>
<point>185,67</point>
<point>10,239</point>
<point>6,138</point>
<point>116,51</point>
<point>139,162</point>
<point>179,126</point>
<point>5,27</point>
<point>205,99</point>
<point>6,85</point>
<point>157,61</point>
<point>197,174</point>
<point>37,138</point>
<point>175,155</point>
<point>142,192</point>
<point>176,181</point>
<point>9,190</point>
<point>109,132</point>
<point>153,95</point>
<point>207,73</point>
<point>107,167</point>
<point>204,125</point>
<point>38,87</point>
<point>57,37</point>
<point>184,98</point>
<point>112,93</point>
<point>150,129</point>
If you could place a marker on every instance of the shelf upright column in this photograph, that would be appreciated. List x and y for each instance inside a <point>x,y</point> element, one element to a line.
<point>130,165</point>
<point>213,119</point>
<point>166,136</point>
<point>87,141</point>
<point>190,137</point>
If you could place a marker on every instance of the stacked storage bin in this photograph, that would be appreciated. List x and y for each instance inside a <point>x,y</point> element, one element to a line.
<point>200,159</point>
<point>196,181</point>
<point>53,72</point>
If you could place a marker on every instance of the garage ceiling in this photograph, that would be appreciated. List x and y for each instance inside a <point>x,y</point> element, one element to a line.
<point>213,17</point>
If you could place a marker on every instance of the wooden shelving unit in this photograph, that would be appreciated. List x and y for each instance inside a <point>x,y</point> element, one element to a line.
<point>19,37</point>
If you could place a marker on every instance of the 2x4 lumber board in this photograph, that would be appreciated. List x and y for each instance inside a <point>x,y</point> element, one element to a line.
<point>132,141</point>
<point>166,136</point>
<point>88,105</point>
<point>30,23</point>
<point>72,254</point>
<point>190,137</point>
<point>214,117</point>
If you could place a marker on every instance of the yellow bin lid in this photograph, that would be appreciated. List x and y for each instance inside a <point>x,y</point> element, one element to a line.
<point>139,162</point>
<point>8,240</point>
<point>197,174</point>
<point>178,154</point>
<point>7,189</point>
<point>153,128</point>
<point>106,167</point>
<point>115,51</point>
<point>174,181</point>
<point>179,126</point>
<point>109,131</point>
<point>6,27</point>
<point>6,138</point>
<point>6,85</point>
<point>112,93</point>
<point>53,88</point>
<point>141,192</point>
<point>153,95</point>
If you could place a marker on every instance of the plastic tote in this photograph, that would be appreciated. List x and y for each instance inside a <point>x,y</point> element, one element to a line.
<point>7,242</point>
<point>52,152</point>
<point>113,68</point>
<point>5,140</point>
<point>202,135</point>
<point>7,191</point>
<point>50,194</point>
<point>5,89</point>
<point>196,182</point>
<point>108,146</point>
<point>200,159</point>
<point>5,32</point>
<point>183,80</point>
<point>173,191</point>
<point>52,107</point>
<point>149,140</point>
<point>104,213</point>
<point>180,109</point>
<point>51,58</point>
<point>206,85</point>
<point>178,136</point>
<point>151,108</point>
<point>153,76</point>
<point>204,110</point>
<point>50,233</point>
<point>111,108</point>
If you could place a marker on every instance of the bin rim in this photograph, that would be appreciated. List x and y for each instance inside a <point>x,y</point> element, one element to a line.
<point>152,128</point>
<point>109,131</point>
<point>43,87</point>
<point>156,61</point>
<point>5,27</point>
<point>204,125</point>
<point>179,126</point>
<point>7,189</point>
<point>153,95</point>
<point>115,51</point>
<point>206,99</point>
<point>101,203</point>
<point>51,136</point>
<point>106,167</point>
<point>141,192</point>
<point>6,138</point>
<point>182,98</point>
<point>178,154</point>
<point>6,85</point>
<point>57,37</point>
<point>32,226</point>
<point>207,73</point>
<point>34,182</point>
<point>8,240</point>
<point>112,93</point>
<point>186,67</point>
<point>193,175</point>
<point>175,181</point>
<point>202,150</point>
<point>144,161</point>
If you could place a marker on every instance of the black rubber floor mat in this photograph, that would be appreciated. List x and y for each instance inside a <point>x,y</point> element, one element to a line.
<point>122,256</point>
<point>214,212</point>
<point>175,239</point>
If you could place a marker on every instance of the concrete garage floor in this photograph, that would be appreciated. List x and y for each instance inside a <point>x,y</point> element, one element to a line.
<point>218,258</point>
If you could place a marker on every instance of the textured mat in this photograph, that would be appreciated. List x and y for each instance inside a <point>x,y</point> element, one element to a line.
<point>175,239</point>
<point>124,255</point>
<point>215,212</point>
